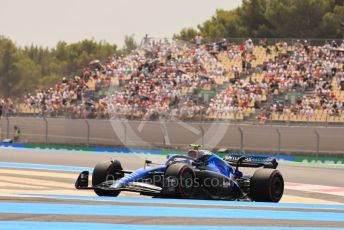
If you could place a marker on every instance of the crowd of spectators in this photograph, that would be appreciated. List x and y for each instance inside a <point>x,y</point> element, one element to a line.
<point>238,96</point>
<point>149,84</point>
<point>303,68</point>
<point>163,78</point>
<point>163,85</point>
<point>77,96</point>
<point>242,92</point>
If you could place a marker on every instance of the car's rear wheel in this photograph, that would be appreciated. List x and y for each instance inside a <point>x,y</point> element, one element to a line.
<point>183,180</point>
<point>267,185</point>
<point>103,171</point>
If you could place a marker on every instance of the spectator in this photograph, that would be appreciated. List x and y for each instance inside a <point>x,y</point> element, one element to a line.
<point>6,106</point>
<point>198,40</point>
<point>16,134</point>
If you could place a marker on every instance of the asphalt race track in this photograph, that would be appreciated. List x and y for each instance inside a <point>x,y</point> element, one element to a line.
<point>37,192</point>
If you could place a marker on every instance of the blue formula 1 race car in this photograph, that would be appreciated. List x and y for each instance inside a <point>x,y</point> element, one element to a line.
<point>200,174</point>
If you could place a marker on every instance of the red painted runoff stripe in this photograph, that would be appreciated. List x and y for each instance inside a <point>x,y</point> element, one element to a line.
<point>331,190</point>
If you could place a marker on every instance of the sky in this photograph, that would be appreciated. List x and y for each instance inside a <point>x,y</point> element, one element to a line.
<point>45,22</point>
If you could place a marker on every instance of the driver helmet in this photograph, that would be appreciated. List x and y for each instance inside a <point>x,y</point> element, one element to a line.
<point>194,153</point>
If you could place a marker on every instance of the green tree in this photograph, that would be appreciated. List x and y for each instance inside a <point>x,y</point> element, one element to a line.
<point>222,25</point>
<point>129,43</point>
<point>8,67</point>
<point>331,23</point>
<point>27,73</point>
<point>187,34</point>
<point>23,70</point>
<point>295,18</point>
<point>274,18</point>
<point>252,18</point>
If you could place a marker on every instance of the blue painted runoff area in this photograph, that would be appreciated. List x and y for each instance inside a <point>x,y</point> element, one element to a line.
<point>44,167</point>
<point>149,211</point>
<point>125,151</point>
<point>129,151</point>
<point>14,145</point>
<point>217,203</point>
<point>92,149</point>
<point>24,225</point>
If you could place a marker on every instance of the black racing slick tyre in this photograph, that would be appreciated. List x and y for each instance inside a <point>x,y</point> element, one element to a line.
<point>183,180</point>
<point>103,171</point>
<point>267,185</point>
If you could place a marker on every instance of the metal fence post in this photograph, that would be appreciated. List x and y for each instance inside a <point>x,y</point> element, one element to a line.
<point>7,127</point>
<point>163,134</point>
<point>202,133</point>
<point>1,129</point>
<point>46,130</point>
<point>241,139</point>
<point>279,140</point>
<point>318,143</point>
<point>87,133</point>
<point>125,133</point>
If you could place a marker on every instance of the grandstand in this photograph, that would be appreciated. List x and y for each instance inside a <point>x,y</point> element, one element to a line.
<point>171,80</point>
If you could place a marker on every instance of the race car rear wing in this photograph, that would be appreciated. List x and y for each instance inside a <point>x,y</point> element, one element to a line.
<point>252,161</point>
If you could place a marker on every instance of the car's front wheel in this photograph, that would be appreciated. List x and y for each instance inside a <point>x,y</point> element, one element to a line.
<point>104,171</point>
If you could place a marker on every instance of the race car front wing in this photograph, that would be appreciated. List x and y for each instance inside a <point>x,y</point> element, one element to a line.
<point>142,188</point>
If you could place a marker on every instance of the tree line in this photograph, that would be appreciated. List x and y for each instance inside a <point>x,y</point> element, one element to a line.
<point>24,69</point>
<point>273,18</point>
